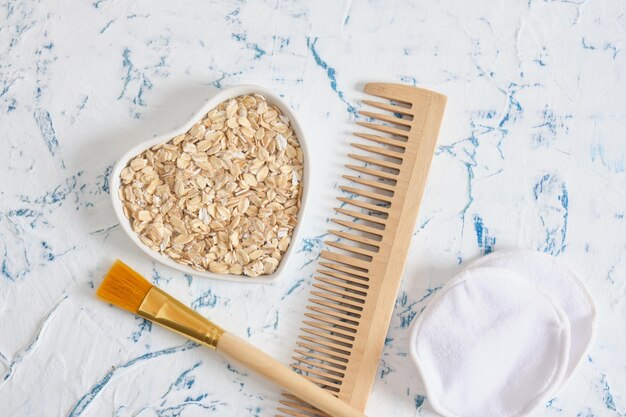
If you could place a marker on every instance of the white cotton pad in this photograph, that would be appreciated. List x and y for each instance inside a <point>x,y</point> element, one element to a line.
<point>558,282</point>
<point>490,344</point>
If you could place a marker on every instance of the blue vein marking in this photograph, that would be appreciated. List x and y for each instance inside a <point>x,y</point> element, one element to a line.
<point>550,404</point>
<point>87,399</point>
<point>133,73</point>
<point>144,326</point>
<point>44,122</point>
<point>614,162</point>
<point>206,299</point>
<point>547,131</point>
<point>184,381</point>
<point>48,253</point>
<point>106,26</point>
<point>232,17</point>
<point>26,213</point>
<point>234,370</point>
<point>603,385</point>
<point>330,73</point>
<point>61,192</point>
<point>106,230</point>
<point>126,63</point>
<point>258,51</point>
<point>157,277</point>
<point>408,314</point>
<point>468,159</point>
<point>608,46</point>
<point>384,369</point>
<point>6,272</point>
<point>19,356</point>
<point>312,246</point>
<point>255,410</point>
<point>189,279</point>
<point>103,181</point>
<point>422,226</point>
<point>175,410</point>
<point>485,242</point>
<point>609,402</point>
<point>291,289</point>
<point>273,325</point>
<point>554,217</point>
<point>429,292</point>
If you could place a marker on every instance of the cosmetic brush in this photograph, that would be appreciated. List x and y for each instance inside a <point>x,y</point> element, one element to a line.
<point>127,289</point>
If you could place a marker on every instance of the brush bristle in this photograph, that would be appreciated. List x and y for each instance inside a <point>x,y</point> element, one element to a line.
<point>124,287</point>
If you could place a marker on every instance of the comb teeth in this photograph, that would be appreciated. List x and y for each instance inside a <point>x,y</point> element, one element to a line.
<point>354,238</point>
<point>363,193</point>
<point>385,129</point>
<point>337,363</point>
<point>354,282</point>
<point>362,204</point>
<point>373,161</point>
<point>357,265</point>
<point>389,107</point>
<point>338,323</point>
<point>330,369</point>
<point>374,172</point>
<point>380,151</point>
<point>370,183</point>
<point>380,139</point>
<point>360,216</point>
<point>332,354</point>
<point>344,303</point>
<point>342,268</point>
<point>347,293</point>
<point>386,118</point>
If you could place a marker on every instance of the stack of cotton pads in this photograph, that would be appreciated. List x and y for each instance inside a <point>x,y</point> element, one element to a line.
<point>502,336</point>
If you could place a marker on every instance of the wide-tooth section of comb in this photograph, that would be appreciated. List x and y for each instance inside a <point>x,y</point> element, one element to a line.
<point>355,287</point>
<point>373,172</point>
<point>385,129</point>
<point>378,150</point>
<point>370,183</point>
<point>375,221</point>
<point>386,118</point>
<point>380,139</point>
<point>389,107</point>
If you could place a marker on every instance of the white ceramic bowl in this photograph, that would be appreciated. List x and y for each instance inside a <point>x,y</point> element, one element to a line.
<point>221,96</point>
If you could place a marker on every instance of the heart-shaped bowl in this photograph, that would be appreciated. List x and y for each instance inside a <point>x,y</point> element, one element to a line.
<point>222,95</point>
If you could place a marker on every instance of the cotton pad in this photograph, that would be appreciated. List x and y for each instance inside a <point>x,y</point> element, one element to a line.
<point>558,282</point>
<point>490,344</point>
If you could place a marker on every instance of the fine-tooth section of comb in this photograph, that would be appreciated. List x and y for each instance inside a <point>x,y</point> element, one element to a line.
<point>357,281</point>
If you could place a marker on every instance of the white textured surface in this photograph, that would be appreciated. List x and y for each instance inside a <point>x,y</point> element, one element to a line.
<point>532,154</point>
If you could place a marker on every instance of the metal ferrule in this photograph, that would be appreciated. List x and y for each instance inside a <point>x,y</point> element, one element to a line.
<point>163,309</point>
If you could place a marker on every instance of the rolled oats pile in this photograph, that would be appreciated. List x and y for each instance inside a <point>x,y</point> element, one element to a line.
<point>223,197</point>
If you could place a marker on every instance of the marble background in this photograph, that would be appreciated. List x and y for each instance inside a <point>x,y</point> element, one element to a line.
<point>532,153</point>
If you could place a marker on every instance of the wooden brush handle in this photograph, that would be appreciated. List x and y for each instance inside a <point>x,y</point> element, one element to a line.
<point>254,359</point>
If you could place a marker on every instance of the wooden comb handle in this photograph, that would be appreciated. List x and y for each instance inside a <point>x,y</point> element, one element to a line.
<point>254,359</point>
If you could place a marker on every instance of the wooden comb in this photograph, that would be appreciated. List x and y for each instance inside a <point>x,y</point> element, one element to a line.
<point>357,283</point>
